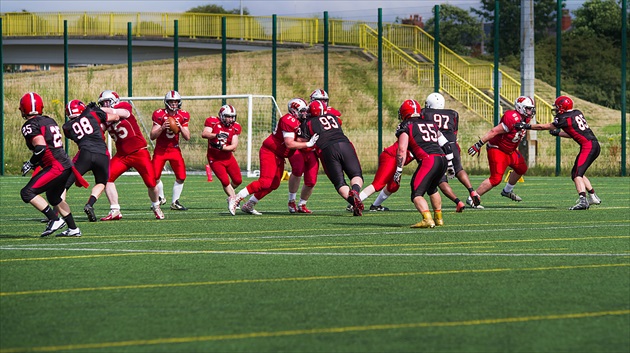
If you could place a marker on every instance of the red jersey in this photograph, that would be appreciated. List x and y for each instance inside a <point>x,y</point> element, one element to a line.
<point>126,132</point>
<point>275,142</point>
<point>509,141</point>
<point>167,138</point>
<point>333,111</point>
<point>217,127</point>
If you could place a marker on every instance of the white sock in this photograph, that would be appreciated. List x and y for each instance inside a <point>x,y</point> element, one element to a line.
<point>253,200</point>
<point>292,196</point>
<point>114,207</point>
<point>508,187</point>
<point>302,202</point>
<point>363,196</point>
<point>160,188</point>
<point>382,196</point>
<point>243,193</point>
<point>177,190</point>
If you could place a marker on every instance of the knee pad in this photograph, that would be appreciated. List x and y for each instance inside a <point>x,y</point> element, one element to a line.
<point>27,194</point>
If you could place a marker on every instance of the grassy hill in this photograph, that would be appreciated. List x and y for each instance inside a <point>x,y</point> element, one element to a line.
<point>353,88</point>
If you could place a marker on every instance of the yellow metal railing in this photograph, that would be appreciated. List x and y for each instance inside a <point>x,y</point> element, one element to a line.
<point>450,82</point>
<point>308,31</point>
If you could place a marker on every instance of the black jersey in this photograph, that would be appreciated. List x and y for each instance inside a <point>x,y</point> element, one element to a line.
<point>86,130</point>
<point>447,120</point>
<point>48,128</point>
<point>328,127</point>
<point>423,137</point>
<point>575,125</point>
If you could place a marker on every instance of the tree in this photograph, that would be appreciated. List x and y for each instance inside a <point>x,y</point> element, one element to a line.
<point>510,23</point>
<point>458,29</point>
<point>601,18</point>
<point>212,8</point>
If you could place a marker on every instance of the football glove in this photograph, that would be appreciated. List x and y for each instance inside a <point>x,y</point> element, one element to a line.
<point>92,105</point>
<point>555,132</point>
<point>450,170</point>
<point>474,149</point>
<point>217,145</point>
<point>522,126</point>
<point>26,167</point>
<point>312,141</point>
<point>398,175</point>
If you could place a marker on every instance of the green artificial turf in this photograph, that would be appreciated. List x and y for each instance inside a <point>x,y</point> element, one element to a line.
<point>514,277</point>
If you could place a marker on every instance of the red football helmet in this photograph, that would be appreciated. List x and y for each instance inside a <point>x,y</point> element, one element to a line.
<point>563,104</point>
<point>317,108</point>
<point>31,104</point>
<point>319,95</point>
<point>298,108</point>
<point>227,115</point>
<point>409,109</point>
<point>173,101</point>
<point>108,99</point>
<point>74,108</point>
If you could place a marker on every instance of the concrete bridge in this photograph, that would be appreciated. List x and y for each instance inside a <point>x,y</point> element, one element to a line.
<point>108,50</point>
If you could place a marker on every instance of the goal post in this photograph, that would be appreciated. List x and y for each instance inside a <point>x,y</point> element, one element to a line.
<point>261,112</point>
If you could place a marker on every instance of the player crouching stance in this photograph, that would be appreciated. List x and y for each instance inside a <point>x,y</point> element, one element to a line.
<point>434,155</point>
<point>43,137</point>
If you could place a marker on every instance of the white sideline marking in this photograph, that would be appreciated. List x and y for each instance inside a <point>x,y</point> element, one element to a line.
<point>230,252</point>
<point>428,232</point>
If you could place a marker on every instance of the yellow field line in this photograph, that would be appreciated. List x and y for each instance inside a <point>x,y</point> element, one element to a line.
<point>298,279</point>
<point>316,331</point>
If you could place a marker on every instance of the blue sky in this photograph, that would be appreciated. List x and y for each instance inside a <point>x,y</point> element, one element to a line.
<point>346,9</point>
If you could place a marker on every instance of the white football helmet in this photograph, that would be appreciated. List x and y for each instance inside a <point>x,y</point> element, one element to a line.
<point>319,95</point>
<point>434,101</point>
<point>227,115</point>
<point>298,108</point>
<point>173,101</point>
<point>108,98</point>
<point>525,106</point>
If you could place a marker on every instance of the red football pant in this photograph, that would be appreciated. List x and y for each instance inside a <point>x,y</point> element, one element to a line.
<point>139,160</point>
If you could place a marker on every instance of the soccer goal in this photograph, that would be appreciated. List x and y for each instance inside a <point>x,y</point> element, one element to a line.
<point>257,115</point>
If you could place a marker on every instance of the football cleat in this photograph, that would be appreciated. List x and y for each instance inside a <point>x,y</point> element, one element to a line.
<point>378,208</point>
<point>89,211</point>
<point>476,199</point>
<point>248,207</point>
<point>113,215</point>
<point>349,208</point>
<point>162,200</point>
<point>157,211</point>
<point>461,206</point>
<point>426,223</point>
<point>53,226</point>
<point>582,204</point>
<point>178,206</point>
<point>593,199</point>
<point>233,202</point>
<point>76,232</point>
<point>470,203</point>
<point>439,221</point>
<point>511,195</point>
<point>357,208</point>
<point>303,209</point>
<point>292,206</point>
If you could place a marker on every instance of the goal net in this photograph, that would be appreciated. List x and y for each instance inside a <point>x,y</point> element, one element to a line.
<point>257,115</point>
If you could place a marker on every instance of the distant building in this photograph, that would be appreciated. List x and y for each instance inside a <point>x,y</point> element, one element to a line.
<point>415,20</point>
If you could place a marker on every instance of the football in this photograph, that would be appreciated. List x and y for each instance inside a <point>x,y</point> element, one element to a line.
<point>173,125</point>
